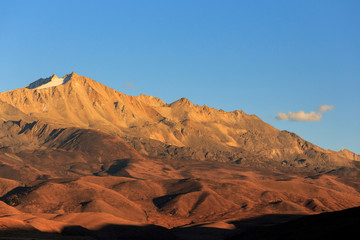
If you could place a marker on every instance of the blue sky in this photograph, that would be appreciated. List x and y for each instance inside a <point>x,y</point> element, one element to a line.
<point>263,57</point>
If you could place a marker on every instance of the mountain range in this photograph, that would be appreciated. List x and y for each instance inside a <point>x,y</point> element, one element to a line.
<point>74,152</point>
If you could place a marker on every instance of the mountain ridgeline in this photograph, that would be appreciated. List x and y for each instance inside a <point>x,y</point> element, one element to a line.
<point>180,130</point>
<point>82,160</point>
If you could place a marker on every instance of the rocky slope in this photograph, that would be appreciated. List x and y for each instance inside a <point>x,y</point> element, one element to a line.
<point>177,130</point>
<point>81,159</point>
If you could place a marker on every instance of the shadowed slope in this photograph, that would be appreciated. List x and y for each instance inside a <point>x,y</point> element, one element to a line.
<point>181,129</point>
<point>82,156</point>
<point>335,225</point>
<point>210,195</point>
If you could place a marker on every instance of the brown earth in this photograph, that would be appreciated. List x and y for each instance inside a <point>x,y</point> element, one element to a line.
<point>180,129</point>
<point>83,161</point>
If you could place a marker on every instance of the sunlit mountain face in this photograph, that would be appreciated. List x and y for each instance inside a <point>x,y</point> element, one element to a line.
<point>79,159</point>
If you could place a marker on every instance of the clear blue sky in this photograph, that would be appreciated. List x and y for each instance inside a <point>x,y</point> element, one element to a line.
<point>263,57</point>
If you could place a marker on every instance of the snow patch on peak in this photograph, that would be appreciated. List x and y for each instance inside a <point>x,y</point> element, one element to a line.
<point>52,81</point>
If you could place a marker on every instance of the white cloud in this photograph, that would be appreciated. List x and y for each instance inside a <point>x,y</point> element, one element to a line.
<point>303,116</point>
<point>324,108</point>
<point>300,116</point>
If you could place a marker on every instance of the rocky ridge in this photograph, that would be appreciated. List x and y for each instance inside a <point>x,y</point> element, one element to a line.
<point>180,129</point>
<point>79,160</point>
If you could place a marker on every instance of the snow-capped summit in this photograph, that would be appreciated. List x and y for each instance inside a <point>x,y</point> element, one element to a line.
<point>50,82</point>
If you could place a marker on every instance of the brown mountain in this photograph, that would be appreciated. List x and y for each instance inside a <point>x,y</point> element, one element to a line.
<point>180,129</point>
<point>82,159</point>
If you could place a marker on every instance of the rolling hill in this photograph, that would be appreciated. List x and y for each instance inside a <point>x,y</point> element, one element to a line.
<point>77,157</point>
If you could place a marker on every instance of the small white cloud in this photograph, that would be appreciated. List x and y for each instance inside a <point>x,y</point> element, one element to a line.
<point>282,116</point>
<point>303,116</point>
<point>324,108</point>
<point>130,85</point>
<point>300,116</point>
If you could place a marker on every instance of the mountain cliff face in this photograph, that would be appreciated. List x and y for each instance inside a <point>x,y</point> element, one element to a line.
<point>76,155</point>
<point>179,130</point>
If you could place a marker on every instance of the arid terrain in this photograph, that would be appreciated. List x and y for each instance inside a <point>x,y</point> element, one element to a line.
<point>79,160</point>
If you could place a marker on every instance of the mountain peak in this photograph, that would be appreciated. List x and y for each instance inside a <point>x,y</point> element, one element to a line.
<point>51,81</point>
<point>71,75</point>
<point>182,102</point>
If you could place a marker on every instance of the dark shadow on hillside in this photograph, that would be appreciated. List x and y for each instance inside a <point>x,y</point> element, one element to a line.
<point>149,232</point>
<point>123,232</point>
<point>334,225</point>
<point>118,166</point>
<point>37,235</point>
<point>201,232</point>
<point>264,220</point>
